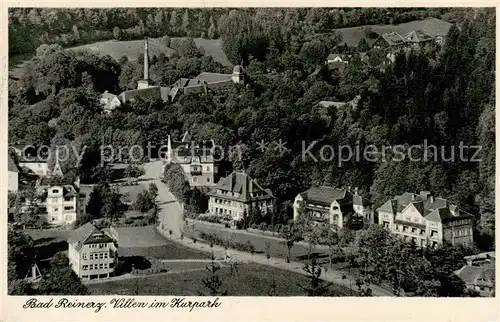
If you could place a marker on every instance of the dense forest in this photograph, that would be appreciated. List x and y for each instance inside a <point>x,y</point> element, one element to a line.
<point>31,27</point>
<point>444,97</point>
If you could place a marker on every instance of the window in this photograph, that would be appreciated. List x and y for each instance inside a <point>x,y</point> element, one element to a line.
<point>91,256</point>
<point>85,267</point>
<point>208,179</point>
<point>102,245</point>
<point>105,255</point>
<point>91,266</point>
<point>84,256</point>
<point>105,265</point>
<point>101,256</point>
<point>414,230</point>
<point>55,209</point>
<point>101,266</point>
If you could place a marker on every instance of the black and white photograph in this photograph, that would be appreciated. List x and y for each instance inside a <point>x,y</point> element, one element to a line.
<point>267,152</point>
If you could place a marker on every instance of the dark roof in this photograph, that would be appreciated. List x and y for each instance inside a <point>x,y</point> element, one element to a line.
<point>12,165</point>
<point>54,181</point>
<point>332,56</point>
<point>150,93</point>
<point>359,200</point>
<point>393,38</point>
<point>433,209</point>
<point>213,77</point>
<point>246,188</point>
<point>431,26</point>
<point>416,36</point>
<point>477,275</point>
<point>88,234</point>
<point>326,195</point>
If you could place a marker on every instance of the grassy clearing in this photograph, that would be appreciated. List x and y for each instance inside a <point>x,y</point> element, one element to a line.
<point>168,251</point>
<point>248,280</point>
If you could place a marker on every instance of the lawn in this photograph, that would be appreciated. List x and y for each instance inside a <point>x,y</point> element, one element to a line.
<point>277,248</point>
<point>247,280</point>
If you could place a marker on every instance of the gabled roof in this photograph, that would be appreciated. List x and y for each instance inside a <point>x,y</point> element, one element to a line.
<point>150,93</point>
<point>88,234</point>
<point>432,209</point>
<point>241,184</point>
<point>213,77</point>
<point>393,38</point>
<point>333,56</point>
<point>326,195</point>
<point>474,275</point>
<point>416,37</point>
<point>360,201</point>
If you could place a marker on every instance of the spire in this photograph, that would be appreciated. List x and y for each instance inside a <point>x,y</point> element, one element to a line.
<point>146,59</point>
<point>57,171</point>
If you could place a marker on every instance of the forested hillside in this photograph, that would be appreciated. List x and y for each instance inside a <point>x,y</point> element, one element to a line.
<point>31,27</point>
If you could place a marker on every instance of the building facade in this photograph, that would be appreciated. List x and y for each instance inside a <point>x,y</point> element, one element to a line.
<point>196,160</point>
<point>425,220</point>
<point>92,252</point>
<point>338,207</point>
<point>238,194</point>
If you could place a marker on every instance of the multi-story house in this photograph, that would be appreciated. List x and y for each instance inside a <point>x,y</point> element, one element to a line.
<point>196,160</point>
<point>478,273</point>
<point>61,199</point>
<point>238,193</point>
<point>338,207</point>
<point>13,178</point>
<point>425,220</point>
<point>92,252</point>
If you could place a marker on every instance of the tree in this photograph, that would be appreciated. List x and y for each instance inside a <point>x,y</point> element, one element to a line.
<point>289,235</point>
<point>176,180</point>
<point>61,279</point>
<point>363,45</point>
<point>95,203</point>
<point>317,286</point>
<point>18,253</point>
<point>214,282</point>
<point>133,171</point>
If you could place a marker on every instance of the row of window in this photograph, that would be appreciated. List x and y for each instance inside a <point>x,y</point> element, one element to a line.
<point>93,256</point>
<point>97,266</point>
<point>462,222</point>
<point>223,211</point>
<point>462,232</point>
<point>97,245</point>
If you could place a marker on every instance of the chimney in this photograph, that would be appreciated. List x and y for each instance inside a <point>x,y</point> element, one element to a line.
<point>146,59</point>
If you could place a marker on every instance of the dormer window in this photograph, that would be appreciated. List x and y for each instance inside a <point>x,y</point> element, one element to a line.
<point>55,191</point>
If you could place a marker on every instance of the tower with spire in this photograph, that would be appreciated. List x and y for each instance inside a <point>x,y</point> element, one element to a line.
<point>144,83</point>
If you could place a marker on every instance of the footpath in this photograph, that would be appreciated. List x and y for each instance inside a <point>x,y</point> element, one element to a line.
<point>234,255</point>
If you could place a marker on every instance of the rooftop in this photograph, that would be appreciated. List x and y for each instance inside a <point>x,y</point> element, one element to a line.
<point>242,187</point>
<point>88,234</point>
<point>433,209</point>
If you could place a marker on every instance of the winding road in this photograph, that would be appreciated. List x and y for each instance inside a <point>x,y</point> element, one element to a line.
<point>170,217</point>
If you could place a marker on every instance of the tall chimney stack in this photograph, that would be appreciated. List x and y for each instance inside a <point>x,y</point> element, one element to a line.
<point>146,59</point>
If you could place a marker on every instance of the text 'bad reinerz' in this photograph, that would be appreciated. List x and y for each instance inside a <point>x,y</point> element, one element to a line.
<point>120,303</point>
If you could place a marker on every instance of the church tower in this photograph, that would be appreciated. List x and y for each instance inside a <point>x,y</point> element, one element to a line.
<point>144,83</point>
